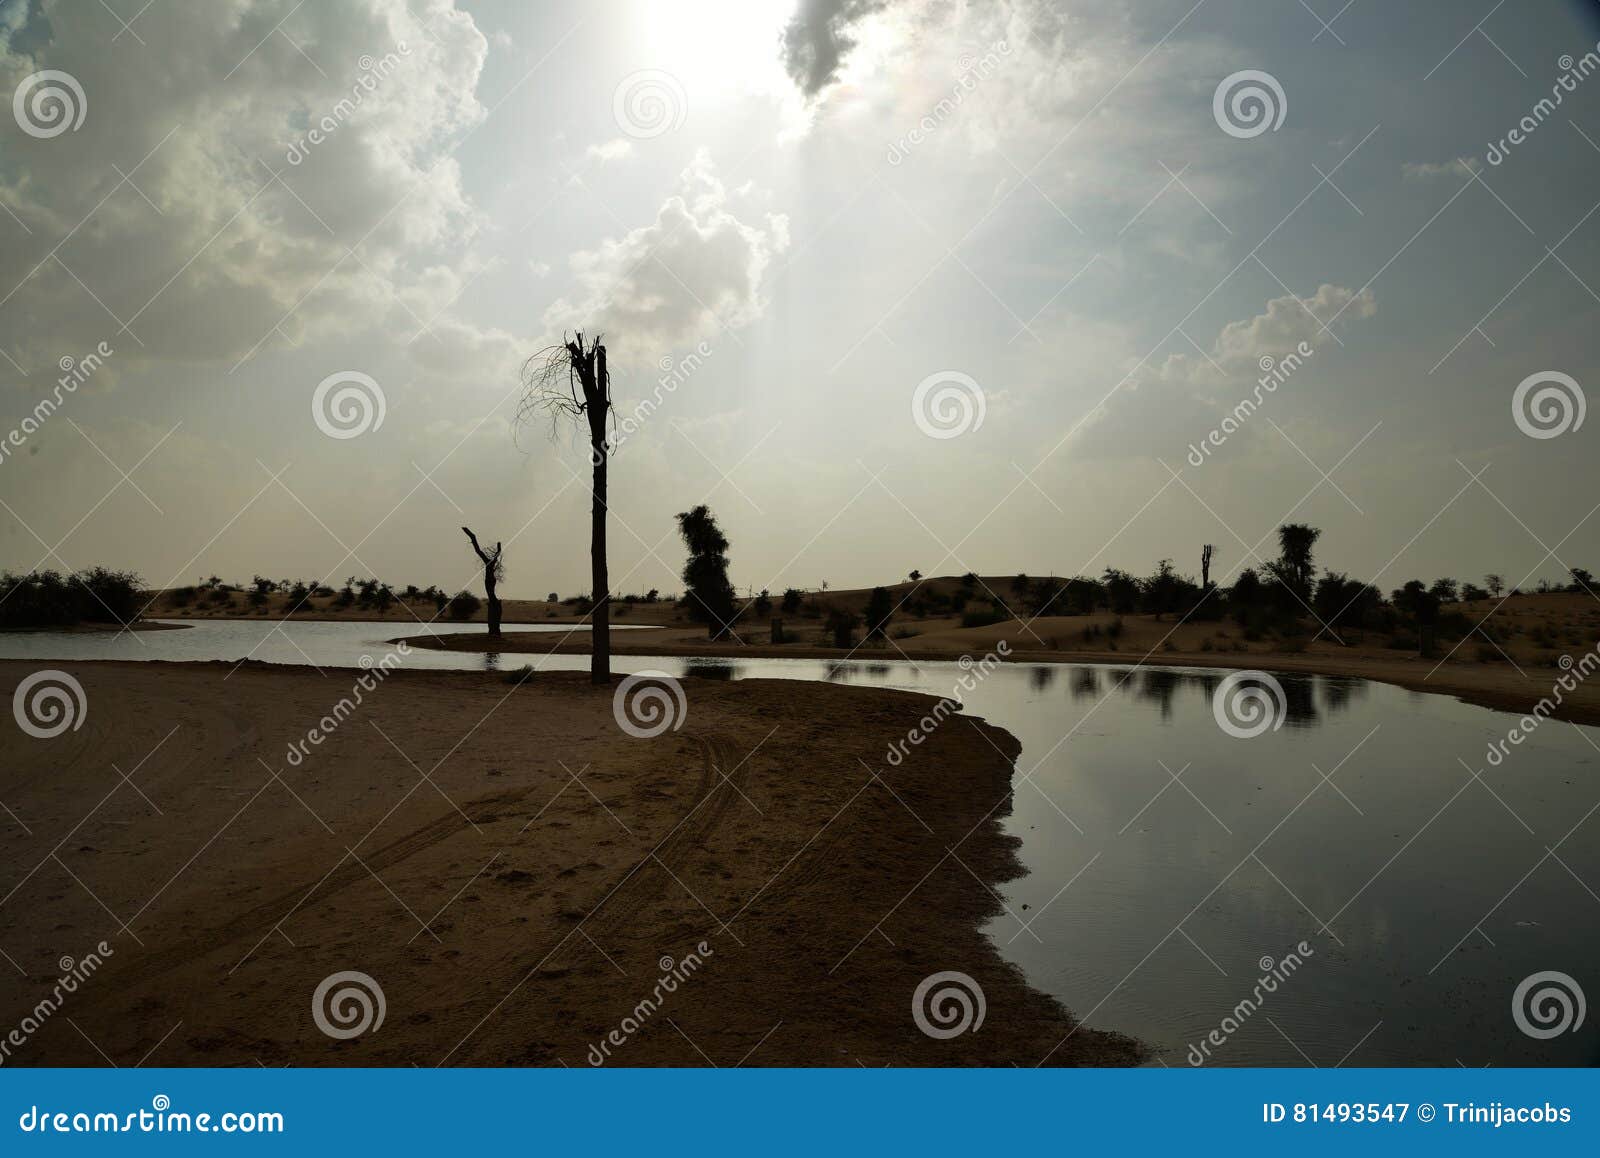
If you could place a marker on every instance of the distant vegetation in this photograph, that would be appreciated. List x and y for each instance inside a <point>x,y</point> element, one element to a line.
<point>1287,601</point>
<point>50,599</point>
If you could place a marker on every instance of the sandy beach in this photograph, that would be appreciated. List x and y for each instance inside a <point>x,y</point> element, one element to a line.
<point>513,870</point>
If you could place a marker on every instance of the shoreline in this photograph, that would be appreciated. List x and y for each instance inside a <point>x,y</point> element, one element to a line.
<point>510,916</point>
<point>1481,685</point>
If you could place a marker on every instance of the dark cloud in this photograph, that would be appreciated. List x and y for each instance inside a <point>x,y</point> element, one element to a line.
<point>819,38</point>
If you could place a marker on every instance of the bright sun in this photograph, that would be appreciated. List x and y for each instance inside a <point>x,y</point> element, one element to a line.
<point>717,48</point>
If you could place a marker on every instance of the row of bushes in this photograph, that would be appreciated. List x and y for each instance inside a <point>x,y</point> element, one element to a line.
<point>51,599</point>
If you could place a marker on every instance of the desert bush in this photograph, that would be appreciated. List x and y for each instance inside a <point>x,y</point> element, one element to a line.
<point>987,617</point>
<point>50,599</point>
<point>464,605</point>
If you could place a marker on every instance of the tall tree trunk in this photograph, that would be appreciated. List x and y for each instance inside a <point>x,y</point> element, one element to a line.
<point>494,600</point>
<point>600,587</point>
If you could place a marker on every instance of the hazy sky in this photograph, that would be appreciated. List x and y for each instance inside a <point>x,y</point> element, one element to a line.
<point>1041,206</point>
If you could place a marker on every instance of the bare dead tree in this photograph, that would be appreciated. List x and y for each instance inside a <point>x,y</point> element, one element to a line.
<point>567,381</point>
<point>493,572</point>
<point>1205,566</point>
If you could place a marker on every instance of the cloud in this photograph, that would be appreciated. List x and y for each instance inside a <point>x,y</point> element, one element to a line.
<point>696,268</point>
<point>233,226</point>
<point>1158,414</point>
<point>612,150</point>
<point>818,39</point>
<point>1290,320</point>
<point>1427,170</point>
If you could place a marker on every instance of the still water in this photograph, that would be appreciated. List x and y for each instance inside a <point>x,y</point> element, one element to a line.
<point>1172,866</point>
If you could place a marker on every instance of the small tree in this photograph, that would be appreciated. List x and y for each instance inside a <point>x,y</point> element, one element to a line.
<point>464,605</point>
<point>705,576</point>
<point>1495,584</point>
<point>1122,590</point>
<point>493,572</point>
<point>880,610</point>
<point>791,600</point>
<point>1295,567</point>
<point>1206,552</point>
<point>915,576</point>
<point>842,626</point>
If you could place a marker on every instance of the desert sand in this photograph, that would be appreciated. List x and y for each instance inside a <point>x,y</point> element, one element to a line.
<point>511,869</point>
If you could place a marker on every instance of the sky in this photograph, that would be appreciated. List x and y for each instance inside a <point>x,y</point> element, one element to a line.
<point>889,284</point>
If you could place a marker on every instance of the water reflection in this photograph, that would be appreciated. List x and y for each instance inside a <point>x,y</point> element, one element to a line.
<point>712,669</point>
<point>1160,687</point>
<point>1041,677</point>
<point>1338,692</point>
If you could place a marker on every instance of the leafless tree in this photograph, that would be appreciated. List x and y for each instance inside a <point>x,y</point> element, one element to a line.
<point>565,382</point>
<point>493,572</point>
<point>1205,566</point>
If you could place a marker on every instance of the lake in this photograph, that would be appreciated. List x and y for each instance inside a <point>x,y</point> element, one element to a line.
<point>1174,868</point>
